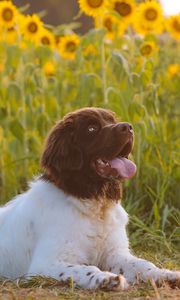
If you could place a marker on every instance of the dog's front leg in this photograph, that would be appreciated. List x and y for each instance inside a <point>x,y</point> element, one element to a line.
<point>134,269</point>
<point>88,277</point>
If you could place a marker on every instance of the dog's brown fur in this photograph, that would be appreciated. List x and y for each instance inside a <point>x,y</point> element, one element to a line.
<point>70,150</point>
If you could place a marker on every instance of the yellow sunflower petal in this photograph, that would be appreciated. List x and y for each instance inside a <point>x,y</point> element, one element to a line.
<point>149,18</point>
<point>68,46</point>
<point>90,51</point>
<point>46,38</point>
<point>31,27</point>
<point>93,8</point>
<point>8,14</point>
<point>124,8</point>
<point>10,36</point>
<point>109,23</point>
<point>173,26</point>
<point>148,48</point>
<point>49,68</point>
<point>173,70</point>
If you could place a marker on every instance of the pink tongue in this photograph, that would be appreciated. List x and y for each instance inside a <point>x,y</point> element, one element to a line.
<point>125,167</point>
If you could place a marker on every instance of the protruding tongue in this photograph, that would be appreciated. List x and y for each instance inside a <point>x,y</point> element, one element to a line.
<point>125,167</point>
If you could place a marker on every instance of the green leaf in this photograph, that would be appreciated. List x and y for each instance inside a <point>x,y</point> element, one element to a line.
<point>44,53</point>
<point>17,130</point>
<point>14,96</point>
<point>94,36</point>
<point>3,113</point>
<point>156,214</point>
<point>121,60</point>
<point>13,57</point>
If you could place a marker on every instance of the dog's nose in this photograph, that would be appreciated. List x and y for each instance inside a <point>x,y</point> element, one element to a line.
<point>125,127</point>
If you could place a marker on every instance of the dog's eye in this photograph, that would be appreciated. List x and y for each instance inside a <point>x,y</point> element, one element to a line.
<point>93,128</point>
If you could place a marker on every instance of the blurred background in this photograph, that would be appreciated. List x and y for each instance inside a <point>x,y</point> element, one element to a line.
<point>61,12</point>
<point>57,12</point>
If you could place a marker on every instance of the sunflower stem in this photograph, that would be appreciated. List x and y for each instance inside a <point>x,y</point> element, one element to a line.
<point>23,116</point>
<point>2,174</point>
<point>104,81</point>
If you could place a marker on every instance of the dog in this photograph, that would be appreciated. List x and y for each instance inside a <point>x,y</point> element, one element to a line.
<point>70,223</point>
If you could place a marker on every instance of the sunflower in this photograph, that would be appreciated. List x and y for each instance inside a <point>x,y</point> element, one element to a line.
<point>173,70</point>
<point>10,35</point>
<point>90,51</point>
<point>122,26</point>
<point>109,23</point>
<point>31,27</point>
<point>93,8</point>
<point>148,18</point>
<point>49,68</point>
<point>146,29</point>
<point>124,8</point>
<point>148,48</point>
<point>173,26</point>
<point>68,45</point>
<point>8,14</point>
<point>46,38</point>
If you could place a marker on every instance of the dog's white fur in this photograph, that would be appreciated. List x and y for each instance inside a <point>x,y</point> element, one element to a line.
<point>46,232</point>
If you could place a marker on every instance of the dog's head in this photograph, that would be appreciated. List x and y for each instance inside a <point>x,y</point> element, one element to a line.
<point>86,154</point>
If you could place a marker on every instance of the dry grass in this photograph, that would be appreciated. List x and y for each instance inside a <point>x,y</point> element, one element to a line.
<point>40,288</point>
<point>46,288</point>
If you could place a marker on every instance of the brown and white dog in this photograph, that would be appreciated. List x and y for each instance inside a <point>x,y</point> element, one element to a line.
<point>70,224</point>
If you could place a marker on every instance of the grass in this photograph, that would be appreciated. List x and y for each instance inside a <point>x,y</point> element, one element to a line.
<point>46,288</point>
<point>145,247</point>
<point>55,291</point>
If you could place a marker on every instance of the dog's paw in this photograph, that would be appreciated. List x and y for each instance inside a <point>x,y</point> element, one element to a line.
<point>109,282</point>
<point>173,279</point>
<point>114,283</point>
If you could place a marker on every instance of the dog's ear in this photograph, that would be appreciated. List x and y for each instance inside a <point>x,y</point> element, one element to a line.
<point>60,152</point>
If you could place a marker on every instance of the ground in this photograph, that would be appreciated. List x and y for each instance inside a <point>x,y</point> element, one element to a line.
<point>51,290</point>
<point>45,288</point>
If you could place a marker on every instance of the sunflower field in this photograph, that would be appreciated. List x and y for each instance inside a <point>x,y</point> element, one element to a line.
<point>128,62</point>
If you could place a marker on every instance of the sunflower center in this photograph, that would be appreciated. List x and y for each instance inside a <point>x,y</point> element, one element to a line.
<point>45,40</point>
<point>7,14</point>
<point>71,46</point>
<point>123,8</point>
<point>176,25</point>
<point>95,3</point>
<point>108,24</point>
<point>151,14</point>
<point>146,49</point>
<point>11,29</point>
<point>32,27</point>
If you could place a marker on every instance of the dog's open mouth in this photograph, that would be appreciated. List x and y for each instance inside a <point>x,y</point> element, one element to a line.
<point>119,167</point>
